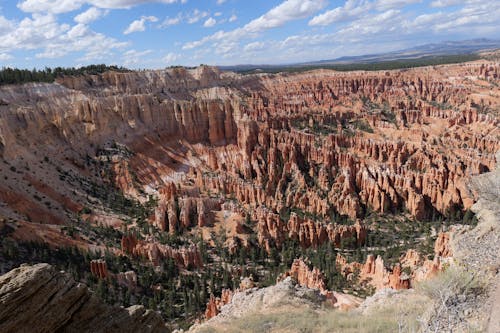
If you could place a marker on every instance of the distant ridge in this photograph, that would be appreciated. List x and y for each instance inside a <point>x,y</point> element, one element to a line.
<point>426,51</point>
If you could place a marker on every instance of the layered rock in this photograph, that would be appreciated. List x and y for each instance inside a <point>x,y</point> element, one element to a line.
<point>272,230</point>
<point>99,269</point>
<point>442,245</point>
<point>313,278</point>
<point>156,253</point>
<point>306,277</point>
<point>215,304</point>
<point>40,299</point>
<point>375,273</point>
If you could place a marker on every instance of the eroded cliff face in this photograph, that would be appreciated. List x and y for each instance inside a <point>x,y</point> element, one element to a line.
<point>375,272</point>
<point>167,157</point>
<point>38,298</point>
<point>300,141</point>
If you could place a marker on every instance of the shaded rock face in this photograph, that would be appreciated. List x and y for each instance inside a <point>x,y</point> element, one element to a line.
<point>40,299</point>
<point>99,269</point>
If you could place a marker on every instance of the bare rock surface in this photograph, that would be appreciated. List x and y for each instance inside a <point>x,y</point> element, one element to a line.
<point>286,294</point>
<point>38,298</point>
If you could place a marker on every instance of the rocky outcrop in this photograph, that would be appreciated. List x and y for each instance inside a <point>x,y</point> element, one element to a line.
<point>442,245</point>
<point>313,278</point>
<point>272,231</point>
<point>127,279</point>
<point>375,273</point>
<point>306,277</point>
<point>156,253</point>
<point>99,269</point>
<point>215,304</point>
<point>40,299</point>
<point>264,299</point>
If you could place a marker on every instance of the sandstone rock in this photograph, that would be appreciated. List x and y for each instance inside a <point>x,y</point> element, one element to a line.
<point>40,299</point>
<point>155,252</point>
<point>99,269</point>
<point>442,245</point>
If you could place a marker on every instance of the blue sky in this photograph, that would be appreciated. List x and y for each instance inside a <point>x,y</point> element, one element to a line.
<point>160,33</point>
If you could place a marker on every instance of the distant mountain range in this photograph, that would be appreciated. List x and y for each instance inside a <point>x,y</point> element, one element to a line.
<point>446,48</point>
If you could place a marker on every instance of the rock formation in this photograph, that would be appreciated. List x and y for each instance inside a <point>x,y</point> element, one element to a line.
<point>375,273</point>
<point>40,299</point>
<point>156,252</point>
<point>274,158</point>
<point>99,269</point>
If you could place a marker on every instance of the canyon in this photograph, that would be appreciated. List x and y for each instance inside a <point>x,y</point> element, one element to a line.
<point>175,180</point>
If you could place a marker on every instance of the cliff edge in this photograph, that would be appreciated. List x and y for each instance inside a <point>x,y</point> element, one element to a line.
<point>40,299</point>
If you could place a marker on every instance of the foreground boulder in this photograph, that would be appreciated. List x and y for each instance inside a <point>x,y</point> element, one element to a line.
<point>39,298</point>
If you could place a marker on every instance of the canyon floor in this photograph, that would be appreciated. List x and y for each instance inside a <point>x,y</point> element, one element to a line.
<point>322,200</point>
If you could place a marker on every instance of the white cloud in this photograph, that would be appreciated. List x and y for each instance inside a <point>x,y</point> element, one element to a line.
<point>50,6</point>
<point>133,57</point>
<point>171,21</point>
<point>5,25</point>
<point>90,15</point>
<point>139,25</point>
<point>170,58</point>
<point>389,4</point>
<point>210,22</point>
<point>64,6</point>
<point>446,3</point>
<point>220,2</point>
<point>195,16</point>
<point>42,32</point>
<point>287,11</point>
<point>5,57</point>
<point>351,9</point>
<point>233,18</point>
<point>354,9</point>
<point>254,46</point>
<point>218,14</point>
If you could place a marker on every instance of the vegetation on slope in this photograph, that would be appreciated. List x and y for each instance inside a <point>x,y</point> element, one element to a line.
<point>18,76</point>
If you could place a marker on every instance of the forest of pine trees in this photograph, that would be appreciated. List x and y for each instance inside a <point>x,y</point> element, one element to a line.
<point>18,76</point>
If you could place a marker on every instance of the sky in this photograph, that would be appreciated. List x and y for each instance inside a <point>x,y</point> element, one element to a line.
<point>160,33</point>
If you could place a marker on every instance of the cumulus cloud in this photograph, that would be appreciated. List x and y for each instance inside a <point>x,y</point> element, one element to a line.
<point>220,2</point>
<point>42,32</point>
<point>90,15</point>
<point>210,22</point>
<point>254,46</point>
<point>354,9</point>
<point>133,57</point>
<point>287,11</point>
<point>195,16</point>
<point>139,25</point>
<point>170,58</point>
<point>446,3</point>
<point>389,4</point>
<point>64,6</point>
<point>5,57</point>
<point>169,21</point>
<point>233,18</point>
<point>351,10</point>
<point>190,18</point>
